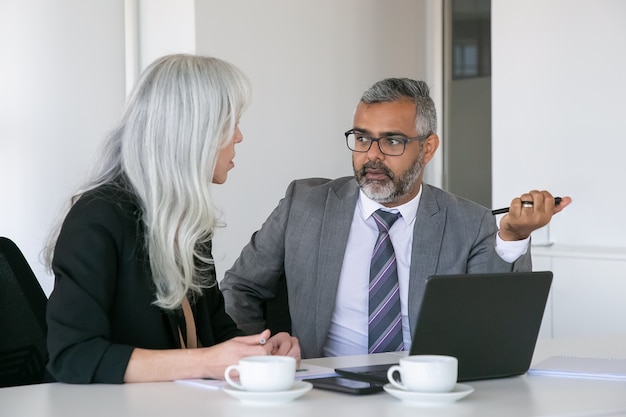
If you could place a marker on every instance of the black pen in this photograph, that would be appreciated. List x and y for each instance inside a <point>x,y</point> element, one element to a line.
<point>557,201</point>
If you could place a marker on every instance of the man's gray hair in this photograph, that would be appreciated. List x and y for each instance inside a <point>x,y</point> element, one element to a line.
<point>394,89</point>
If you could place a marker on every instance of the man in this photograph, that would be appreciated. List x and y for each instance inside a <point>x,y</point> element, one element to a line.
<point>320,238</point>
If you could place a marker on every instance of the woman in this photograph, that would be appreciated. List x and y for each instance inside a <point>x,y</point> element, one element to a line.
<point>134,275</point>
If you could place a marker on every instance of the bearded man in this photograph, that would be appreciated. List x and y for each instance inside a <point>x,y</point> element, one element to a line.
<point>312,263</point>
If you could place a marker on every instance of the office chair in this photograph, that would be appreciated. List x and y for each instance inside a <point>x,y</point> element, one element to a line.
<point>23,328</point>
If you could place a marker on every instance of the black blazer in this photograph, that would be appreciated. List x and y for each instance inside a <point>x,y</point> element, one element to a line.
<point>101,307</point>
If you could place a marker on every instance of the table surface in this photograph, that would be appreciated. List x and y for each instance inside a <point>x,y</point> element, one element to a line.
<point>525,395</point>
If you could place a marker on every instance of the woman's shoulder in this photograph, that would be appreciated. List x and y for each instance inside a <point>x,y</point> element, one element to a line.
<point>104,217</point>
<point>111,194</point>
<point>106,203</point>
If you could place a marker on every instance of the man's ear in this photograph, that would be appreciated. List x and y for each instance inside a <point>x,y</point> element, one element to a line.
<point>430,144</point>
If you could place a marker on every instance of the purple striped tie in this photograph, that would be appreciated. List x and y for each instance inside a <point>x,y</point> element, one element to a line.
<point>385,320</point>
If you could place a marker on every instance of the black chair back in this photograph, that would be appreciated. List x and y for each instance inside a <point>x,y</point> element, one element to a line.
<point>23,328</point>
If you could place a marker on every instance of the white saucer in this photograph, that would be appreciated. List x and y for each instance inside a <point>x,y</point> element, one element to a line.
<point>459,391</point>
<point>298,389</point>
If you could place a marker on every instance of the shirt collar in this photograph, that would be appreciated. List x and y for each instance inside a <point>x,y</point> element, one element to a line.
<point>408,210</point>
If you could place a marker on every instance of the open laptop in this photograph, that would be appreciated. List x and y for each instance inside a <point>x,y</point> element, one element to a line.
<point>489,322</point>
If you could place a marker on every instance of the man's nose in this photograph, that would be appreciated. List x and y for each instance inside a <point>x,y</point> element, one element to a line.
<point>375,152</point>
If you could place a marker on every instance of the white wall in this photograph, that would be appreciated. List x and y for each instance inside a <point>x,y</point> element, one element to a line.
<point>558,111</point>
<point>61,89</point>
<point>165,27</point>
<point>558,123</point>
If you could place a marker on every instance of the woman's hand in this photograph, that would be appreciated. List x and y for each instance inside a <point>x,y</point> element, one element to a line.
<point>229,352</point>
<point>284,344</point>
<point>218,357</point>
<point>147,365</point>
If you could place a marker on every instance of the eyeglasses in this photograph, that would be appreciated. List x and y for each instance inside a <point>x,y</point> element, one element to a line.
<point>388,145</point>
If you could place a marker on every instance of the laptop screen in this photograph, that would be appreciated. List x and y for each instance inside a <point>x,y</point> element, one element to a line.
<point>489,322</point>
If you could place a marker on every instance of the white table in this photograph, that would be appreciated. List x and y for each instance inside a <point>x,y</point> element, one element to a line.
<point>509,397</point>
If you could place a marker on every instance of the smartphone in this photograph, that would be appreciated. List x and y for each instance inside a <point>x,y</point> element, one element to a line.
<point>346,385</point>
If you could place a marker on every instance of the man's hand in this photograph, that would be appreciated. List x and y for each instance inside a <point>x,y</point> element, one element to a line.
<point>528,213</point>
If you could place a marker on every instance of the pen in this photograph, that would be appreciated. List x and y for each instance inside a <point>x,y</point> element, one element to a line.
<point>557,201</point>
<point>262,341</point>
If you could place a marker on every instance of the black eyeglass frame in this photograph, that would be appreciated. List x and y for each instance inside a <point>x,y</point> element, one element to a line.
<point>377,140</point>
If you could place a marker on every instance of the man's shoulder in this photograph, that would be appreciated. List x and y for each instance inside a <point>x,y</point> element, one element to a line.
<point>343,185</point>
<point>453,202</point>
<point>324,182</point>
<point>316,192</point>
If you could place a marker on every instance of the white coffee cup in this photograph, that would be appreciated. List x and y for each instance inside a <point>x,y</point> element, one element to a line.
<point>263,373</point>
<point>425,373</point>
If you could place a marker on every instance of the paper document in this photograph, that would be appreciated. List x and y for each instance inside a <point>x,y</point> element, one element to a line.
<point>581,367</point>
<point>305,372</point>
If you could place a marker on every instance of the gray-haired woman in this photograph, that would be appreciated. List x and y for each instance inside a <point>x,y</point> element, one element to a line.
<point>134,276</point>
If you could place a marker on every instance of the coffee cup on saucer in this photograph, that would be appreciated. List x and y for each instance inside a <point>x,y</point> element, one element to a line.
<point>425,373</point>
<point>263,373</point>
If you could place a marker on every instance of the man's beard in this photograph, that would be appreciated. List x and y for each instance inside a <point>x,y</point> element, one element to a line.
<point>391,189</point>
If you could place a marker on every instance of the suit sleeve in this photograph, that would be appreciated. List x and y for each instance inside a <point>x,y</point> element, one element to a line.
<point>255,275</point>
<point>484,257</point>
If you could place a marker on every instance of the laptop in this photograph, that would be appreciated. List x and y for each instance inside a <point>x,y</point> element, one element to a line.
<point>489,322</point>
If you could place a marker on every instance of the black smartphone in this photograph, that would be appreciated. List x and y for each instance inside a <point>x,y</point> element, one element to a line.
<point>346,385</point>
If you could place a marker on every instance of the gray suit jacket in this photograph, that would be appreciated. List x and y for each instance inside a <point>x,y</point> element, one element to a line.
<point>304,241</point>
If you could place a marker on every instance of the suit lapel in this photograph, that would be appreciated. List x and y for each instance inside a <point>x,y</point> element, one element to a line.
<point>427,241</point>
<point>340,205</point>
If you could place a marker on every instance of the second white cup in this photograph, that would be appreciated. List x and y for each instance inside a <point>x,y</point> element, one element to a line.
<point>425,373</point>
<point>263,373</point>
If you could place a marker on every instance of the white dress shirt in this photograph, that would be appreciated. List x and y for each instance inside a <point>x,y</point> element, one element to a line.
<point>348,334</point>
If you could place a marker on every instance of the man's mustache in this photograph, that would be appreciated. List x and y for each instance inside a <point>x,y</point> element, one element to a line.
<point>376,166</point>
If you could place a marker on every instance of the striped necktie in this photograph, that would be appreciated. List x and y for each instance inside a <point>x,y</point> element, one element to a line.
<point>385,320</point>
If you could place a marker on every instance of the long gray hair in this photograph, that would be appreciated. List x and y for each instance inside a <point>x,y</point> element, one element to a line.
<point>393,89</point>
<point>183,109</point>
